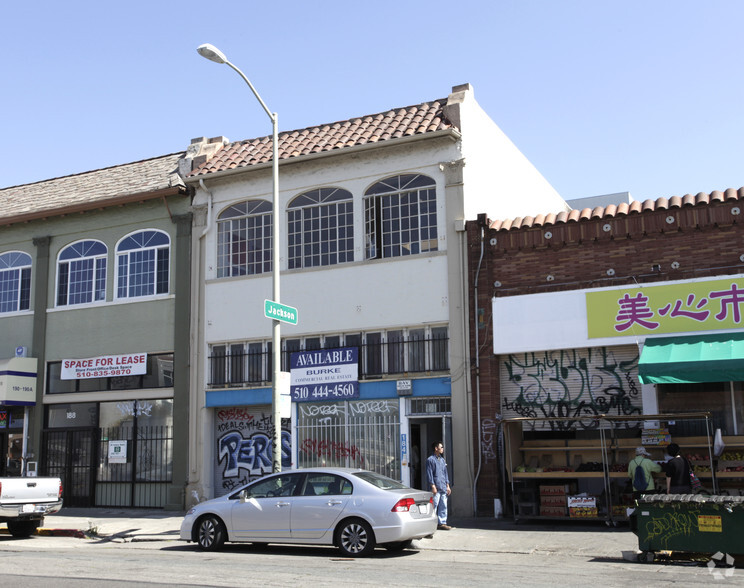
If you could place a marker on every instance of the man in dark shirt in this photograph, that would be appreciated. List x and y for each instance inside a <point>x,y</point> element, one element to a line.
<point>677,472</point>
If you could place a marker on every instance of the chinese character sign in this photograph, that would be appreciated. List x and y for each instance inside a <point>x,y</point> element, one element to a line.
<point>674,308</point>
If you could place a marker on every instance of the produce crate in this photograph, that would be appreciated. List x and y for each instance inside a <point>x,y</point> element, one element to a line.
<point>582,507</point>
<point>552,511</point>
<point>555,489</point>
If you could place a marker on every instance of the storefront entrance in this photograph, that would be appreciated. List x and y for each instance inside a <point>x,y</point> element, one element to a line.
<point>423,433</point>
<point>71,456</point>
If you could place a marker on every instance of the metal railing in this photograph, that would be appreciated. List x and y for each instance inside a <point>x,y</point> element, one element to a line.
<point>233,366</point>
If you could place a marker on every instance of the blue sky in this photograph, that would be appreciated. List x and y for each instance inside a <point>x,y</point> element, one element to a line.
<point>602,96</point>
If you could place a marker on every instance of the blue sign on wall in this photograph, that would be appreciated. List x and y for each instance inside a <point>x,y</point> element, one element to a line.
<point>324,375</point>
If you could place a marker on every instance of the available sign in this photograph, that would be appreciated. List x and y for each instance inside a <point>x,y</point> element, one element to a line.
<point>106,366</point>
<point>331,374</point>
<point>117,452</point>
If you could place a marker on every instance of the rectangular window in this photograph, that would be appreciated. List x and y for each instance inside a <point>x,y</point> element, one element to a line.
<point>395,352</point>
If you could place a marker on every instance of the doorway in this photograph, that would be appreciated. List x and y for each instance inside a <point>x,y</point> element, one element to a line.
<point>423,433</point>
<point>71,456</point>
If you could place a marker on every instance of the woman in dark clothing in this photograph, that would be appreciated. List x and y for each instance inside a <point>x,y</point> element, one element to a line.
<point>677,472</point>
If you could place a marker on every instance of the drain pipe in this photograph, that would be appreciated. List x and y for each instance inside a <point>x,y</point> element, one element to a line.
<point>482,223</point>
<point>209,208</point>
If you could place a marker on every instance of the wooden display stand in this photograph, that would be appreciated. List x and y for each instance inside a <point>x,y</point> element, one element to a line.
<point>598,465</point>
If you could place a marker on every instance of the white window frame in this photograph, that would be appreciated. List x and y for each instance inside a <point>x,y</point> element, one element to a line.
<point>247,225</point>
<point>320,228</point>
<point>158,250</point>
<point>86,287</point>
<point>400,217</point>
<point>13,264</point>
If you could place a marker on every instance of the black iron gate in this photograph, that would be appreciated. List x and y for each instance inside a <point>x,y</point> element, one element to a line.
<point>71,456</point>
<point>141,477</point>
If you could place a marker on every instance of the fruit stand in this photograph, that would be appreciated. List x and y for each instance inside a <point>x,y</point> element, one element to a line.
<point>585,475</point>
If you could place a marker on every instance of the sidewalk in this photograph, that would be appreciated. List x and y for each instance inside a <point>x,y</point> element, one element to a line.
<point>474,534</point>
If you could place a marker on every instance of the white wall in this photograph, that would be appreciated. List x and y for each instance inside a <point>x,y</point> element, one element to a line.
<point>499,179</point>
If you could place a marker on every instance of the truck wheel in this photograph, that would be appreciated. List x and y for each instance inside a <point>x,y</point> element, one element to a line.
<point>23,528</point>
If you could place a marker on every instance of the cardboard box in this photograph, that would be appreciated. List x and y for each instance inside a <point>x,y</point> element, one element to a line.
<point>582,507</point>
<point>582,501</point>
<point>552,511</point>
<point>554,490</point>
<point>583,512</point>
<point>552,500</point>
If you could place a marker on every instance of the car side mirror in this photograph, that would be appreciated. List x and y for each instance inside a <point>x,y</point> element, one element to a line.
<point>243,495</point>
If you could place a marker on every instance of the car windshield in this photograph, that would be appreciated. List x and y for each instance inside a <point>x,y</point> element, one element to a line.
<point>380,481</point>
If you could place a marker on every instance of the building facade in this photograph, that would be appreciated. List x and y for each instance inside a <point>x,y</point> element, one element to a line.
<point>94,312</point>
<point>373,257</point>
<point>588,321</point>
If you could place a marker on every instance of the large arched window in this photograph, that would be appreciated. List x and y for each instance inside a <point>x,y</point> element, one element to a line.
<point>81,273</point>
<point>15,281</point>
<point>400,217</point>
<point>244,245</point>
<point>321,228</point>
<point>143,264</point>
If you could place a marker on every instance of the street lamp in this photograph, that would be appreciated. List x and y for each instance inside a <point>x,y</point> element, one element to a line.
<point>213,54</point>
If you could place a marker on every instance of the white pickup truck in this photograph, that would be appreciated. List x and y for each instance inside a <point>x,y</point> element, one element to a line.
<point>25,501</point>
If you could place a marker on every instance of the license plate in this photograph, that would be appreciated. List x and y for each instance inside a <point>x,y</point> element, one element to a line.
<point>29,507</point>
<point>423,508</point>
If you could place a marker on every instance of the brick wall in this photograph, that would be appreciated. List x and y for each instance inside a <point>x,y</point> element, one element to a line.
<point>658,244</point>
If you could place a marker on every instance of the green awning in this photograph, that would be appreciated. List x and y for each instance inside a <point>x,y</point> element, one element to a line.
<point>693,359</point>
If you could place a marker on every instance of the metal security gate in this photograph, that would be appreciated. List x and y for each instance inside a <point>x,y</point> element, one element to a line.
<point>70,455</point>
<point>135,466</point>
<point>364,434</point>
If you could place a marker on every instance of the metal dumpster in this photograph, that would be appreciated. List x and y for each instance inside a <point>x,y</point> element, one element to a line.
<point>690,523</point>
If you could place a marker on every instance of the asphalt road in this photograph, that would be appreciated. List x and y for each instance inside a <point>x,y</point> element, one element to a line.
<point>66,561</point>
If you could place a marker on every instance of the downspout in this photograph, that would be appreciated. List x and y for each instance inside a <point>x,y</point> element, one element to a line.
<point>477,366</point>
<point>195,407</point>
<point>209,208</point>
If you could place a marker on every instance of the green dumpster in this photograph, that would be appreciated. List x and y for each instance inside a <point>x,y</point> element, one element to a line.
<point>689,523</point>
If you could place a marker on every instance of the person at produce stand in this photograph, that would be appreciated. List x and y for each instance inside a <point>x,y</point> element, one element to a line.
<point>677,472</point>
<point>642,461</point>
<point>438,480</point>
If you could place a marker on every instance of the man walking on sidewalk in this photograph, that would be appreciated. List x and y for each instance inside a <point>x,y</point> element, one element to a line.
<point>439,484</point>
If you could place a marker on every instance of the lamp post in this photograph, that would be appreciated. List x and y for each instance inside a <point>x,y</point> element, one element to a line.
<point>213,54</point>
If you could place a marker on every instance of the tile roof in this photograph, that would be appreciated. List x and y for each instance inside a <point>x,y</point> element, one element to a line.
<point>89,189</point>
<point>423,118</point>
<point>618,210</point>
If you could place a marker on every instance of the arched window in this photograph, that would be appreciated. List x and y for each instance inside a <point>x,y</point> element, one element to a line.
<point>81,273</point>
<point>400,217</point>
<point>321,228</point>
<point>15,281</point>
<point>143,264</point>
<point>244,244</point>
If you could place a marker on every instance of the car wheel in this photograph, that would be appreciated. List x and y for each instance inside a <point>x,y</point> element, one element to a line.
<point>398,545</point>
<point>210,533</point>
<point>355,538</point>
<point>22,528</point>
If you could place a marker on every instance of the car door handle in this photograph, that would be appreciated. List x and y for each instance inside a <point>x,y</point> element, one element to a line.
<point>281,504</point>
<point>334,502</point>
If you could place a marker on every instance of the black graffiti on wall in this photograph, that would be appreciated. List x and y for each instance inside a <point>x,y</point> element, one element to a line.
<point>577,385</point>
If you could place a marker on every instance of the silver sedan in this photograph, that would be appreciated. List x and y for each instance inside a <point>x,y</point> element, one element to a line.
<point>352,509</point>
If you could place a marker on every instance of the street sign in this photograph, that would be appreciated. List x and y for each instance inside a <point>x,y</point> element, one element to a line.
<point>280,312</point>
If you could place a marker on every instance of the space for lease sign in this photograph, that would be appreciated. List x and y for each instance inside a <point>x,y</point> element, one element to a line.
<point>106,366</point>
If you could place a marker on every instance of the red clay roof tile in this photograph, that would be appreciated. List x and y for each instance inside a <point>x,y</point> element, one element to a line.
<point>399,122</point>
<point>619,210</point>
